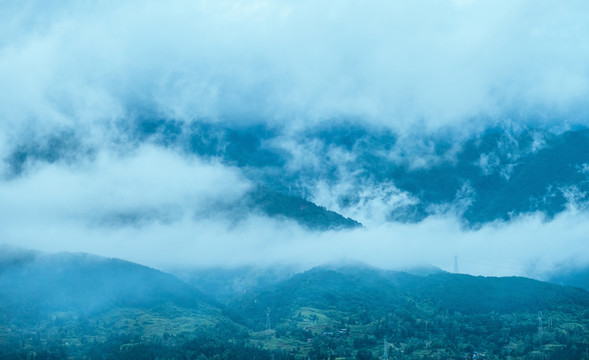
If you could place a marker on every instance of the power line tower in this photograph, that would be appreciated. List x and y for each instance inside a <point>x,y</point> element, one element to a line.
<point>385,352</point>
<point>268,327</point>
<point>456,269</point>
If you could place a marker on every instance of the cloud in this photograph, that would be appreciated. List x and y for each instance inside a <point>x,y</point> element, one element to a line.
<point>41,220</point>
<point>146,205</point>
<point>413,67</point>
<point>401,64</point>
<point>148,184</point>
<point>526,246</point>
<point>367,202</point>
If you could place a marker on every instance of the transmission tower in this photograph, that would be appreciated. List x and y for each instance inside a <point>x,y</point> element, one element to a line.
<point>456,269</point>
<point>268,327</point>
<point>385,352</point>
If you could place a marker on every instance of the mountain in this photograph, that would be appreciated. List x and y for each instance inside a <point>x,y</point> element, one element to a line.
<point>228,283</point>
<point>375,292</point>
<point>67,305</point>
<point>83,306</point>
<point>490,176</point>
<point>350,310</point>
<point>570,276</point>
<point>493,175</point>
<point>36,284</point>
<point>306,213</point>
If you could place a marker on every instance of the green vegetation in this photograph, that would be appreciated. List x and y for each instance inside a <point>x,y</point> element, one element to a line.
<point>275,204</point>
<point>324,313</point>
<point>346,313</point>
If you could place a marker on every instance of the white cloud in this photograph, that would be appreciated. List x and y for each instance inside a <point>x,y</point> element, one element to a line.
<point>401,64</point>
<point>148,181</point>
<point>58,207</point>
<point>525,246</point>
<point>412,66</point>
<point>372,203</point>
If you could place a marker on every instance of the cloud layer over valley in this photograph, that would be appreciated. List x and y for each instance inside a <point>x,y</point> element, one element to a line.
<point>137,129</point>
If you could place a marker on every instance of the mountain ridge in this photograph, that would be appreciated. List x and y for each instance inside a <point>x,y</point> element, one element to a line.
<point>489,176</point>
<point>342,310</point>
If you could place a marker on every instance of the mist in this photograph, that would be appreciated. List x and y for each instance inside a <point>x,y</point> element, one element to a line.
<point>447,69</point>
<point>147,207</point>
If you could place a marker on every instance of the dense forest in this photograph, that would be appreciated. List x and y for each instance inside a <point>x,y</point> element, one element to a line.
<point>128,311</point>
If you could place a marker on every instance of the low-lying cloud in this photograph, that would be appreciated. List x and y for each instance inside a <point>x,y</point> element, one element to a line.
<point>147,183</point>
<point>412,67</point>
<point>148,205</point>
<point>59,207</point>
<point>55,210</point>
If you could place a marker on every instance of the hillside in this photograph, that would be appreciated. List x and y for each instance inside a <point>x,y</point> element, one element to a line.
<point>567,276</point>
<point>37,284</point>
<point>306,213</point>
<point>377,292</point>
<point>349,311</point>
<point>84,306</point>
<point>492,175</point>
<point>228,283</point>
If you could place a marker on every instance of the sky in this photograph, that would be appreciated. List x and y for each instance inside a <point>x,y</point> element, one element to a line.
<point>84,69</point>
